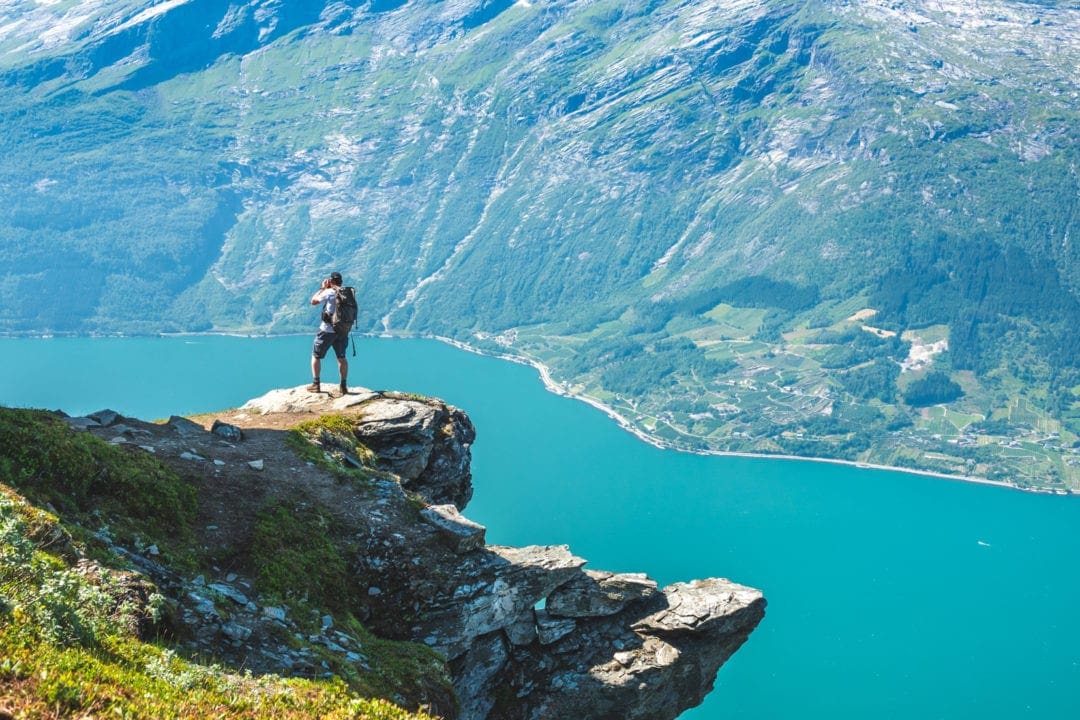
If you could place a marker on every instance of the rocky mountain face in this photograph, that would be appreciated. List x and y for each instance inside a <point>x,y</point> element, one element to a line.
<point>581,148</point>
<point>524,632</point>
<point>579,182</point>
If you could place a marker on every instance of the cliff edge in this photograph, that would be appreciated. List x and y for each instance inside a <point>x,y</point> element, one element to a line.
<point>328,525</point>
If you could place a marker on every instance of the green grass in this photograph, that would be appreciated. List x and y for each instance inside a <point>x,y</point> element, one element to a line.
<point>70,646</point>
<point>125,678</point>
<point>736,322</point>
<point>78,629</point>
<point>139,498</point>
<point>326,440</point>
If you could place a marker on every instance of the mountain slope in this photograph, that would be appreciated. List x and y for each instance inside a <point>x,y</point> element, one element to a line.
<point>318,537</point>
<point>582,180</point>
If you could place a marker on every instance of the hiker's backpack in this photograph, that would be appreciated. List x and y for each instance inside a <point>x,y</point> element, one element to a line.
<point>345,308</point>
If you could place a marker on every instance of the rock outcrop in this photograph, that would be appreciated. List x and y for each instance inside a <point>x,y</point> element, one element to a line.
<point>426,444</point>
<point>526,632</point>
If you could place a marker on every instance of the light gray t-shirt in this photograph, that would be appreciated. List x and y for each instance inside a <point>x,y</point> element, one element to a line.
<point>329,297</point>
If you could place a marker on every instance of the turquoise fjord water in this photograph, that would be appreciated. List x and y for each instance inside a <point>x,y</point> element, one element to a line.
<point>890,595</point>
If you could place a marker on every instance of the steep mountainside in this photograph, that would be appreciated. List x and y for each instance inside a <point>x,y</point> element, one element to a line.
<point>688,210</point>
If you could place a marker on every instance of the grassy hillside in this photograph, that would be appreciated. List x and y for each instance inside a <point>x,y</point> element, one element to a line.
<point>84,632</point>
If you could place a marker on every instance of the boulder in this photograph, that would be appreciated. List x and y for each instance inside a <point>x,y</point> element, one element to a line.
<point>459,533</point>
<point>400,432</point>
<point>105,417</point>
<point>425,443</point>
<point>184,426</point>
<point>232,433</point>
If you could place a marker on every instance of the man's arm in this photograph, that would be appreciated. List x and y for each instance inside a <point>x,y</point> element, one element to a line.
<point>318,296</point>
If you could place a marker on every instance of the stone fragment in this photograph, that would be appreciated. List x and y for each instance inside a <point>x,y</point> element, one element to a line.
<point>230,592</point>
<point>203,605</point>
<point>459,533</point>
<point>256,464</point>
<point>232,433</point>
<point>184,426</point>
<point>190,456</point>
<point>105,417</point>
<point>274,613</point>
<point>351,460</point>
<point>235,631</point>
<point>354,398</point>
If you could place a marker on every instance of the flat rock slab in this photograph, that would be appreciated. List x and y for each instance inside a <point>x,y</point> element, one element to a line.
<point>300,400</point>
<point>387,417</point>
<point>701,607</point>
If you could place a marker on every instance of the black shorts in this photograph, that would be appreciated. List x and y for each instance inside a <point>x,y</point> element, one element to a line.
<point>325,340</point>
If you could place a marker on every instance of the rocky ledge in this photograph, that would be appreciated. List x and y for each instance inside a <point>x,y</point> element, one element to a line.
<point>526,632</point>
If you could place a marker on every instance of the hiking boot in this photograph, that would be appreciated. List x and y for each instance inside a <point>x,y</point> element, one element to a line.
<point>343,388</point>
<point>314,387</point>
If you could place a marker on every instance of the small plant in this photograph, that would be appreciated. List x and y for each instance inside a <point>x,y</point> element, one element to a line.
<point>330,442</point>
<point>58,604</point>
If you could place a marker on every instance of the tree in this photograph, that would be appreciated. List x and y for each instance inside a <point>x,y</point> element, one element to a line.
<point>933,389</point>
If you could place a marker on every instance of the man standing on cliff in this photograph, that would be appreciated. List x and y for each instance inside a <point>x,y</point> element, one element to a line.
<point>327,337</point>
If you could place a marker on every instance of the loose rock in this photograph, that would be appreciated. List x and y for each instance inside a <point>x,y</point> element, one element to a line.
<point>459,533</point>
<point>232,433</point>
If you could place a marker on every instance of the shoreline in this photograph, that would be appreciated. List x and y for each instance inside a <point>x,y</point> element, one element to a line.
<point>622,421</point>
<point>557,389</point>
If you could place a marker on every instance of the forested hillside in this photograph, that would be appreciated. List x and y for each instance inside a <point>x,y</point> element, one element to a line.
<point>747,225</point>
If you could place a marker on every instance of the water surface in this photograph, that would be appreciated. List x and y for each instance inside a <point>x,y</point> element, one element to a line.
<point>890,595</point>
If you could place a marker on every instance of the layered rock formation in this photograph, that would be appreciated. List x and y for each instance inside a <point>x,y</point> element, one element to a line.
<point>526,632</point>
